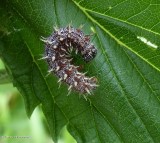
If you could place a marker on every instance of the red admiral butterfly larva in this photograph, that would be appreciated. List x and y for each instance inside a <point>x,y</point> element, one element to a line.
<point>57,55</point>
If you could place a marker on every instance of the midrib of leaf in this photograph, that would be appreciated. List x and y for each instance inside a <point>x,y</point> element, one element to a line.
<point>96,107</point>
<point>95,124</point>
<point>144,79</point>
<point>123,92</point>
<point>103,116</point>
<point>124,21</point>
<point>111,35</point>
<point>129,57</point>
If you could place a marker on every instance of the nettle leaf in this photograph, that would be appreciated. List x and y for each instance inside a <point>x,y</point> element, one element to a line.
<point>126,105</point>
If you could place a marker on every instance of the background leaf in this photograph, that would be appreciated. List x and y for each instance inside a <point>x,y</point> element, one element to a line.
<point>125,107</point>
<point>4,78</point>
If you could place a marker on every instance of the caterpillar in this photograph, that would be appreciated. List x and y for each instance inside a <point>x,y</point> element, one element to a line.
<point>57,55</point>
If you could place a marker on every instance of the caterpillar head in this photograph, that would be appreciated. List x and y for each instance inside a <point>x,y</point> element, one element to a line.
<point>89,53</point>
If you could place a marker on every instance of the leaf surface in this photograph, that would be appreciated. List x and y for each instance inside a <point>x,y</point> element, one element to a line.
<point>126,105</point>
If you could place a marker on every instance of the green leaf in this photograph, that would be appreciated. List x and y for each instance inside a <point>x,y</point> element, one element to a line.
<point>4,78</point>
<point>126,105</point>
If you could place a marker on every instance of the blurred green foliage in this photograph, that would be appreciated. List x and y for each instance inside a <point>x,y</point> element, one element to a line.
<point>14,123</point>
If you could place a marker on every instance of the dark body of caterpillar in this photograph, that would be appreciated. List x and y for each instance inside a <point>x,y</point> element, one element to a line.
<point>57,48</point>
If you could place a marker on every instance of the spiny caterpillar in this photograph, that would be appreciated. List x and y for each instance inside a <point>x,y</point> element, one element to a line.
<point>57,55</point>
